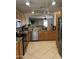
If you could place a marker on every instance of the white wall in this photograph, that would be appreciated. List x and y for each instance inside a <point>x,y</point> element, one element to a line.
<point>27,20</point>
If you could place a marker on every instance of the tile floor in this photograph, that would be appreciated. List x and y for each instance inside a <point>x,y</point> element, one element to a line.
<point>42,50</point>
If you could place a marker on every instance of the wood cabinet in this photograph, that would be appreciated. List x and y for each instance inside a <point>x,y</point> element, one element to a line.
<point>28,36</point>
<point>47,35</point>
<point>51,35</point>
<point>19,49</point>
<point>41,35</point>
<point>20,15</point>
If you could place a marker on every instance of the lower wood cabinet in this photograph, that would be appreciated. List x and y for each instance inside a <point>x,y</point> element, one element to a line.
<point>19,49</point>
<point>28,36</point>
<point>51,35</point>
<point>47,35</point>
<point>41,35</point>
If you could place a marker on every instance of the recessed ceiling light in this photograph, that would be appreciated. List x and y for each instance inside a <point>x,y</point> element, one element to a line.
<point>27,3</point>
<point>53,3</point>
<point>32,12</point>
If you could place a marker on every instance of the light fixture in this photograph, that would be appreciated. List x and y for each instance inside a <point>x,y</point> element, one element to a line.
<point>53,3</point>
<point>33,12</point>
<point>28,3</point>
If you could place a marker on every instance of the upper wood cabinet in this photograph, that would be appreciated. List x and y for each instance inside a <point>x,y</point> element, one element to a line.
<point>20,15</point>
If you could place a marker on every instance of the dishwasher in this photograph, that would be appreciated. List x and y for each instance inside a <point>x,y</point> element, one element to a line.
<point>35,34</point>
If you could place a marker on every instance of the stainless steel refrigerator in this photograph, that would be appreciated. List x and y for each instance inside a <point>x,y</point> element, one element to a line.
<point>60,35</point>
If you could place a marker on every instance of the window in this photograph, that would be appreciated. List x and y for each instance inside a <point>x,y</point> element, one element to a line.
<point>18,24</point>
<point>45,23</point>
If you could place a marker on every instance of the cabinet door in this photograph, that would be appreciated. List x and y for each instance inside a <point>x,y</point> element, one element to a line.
<point>45,35</point>
<point>40,35</point>
<point>28,36</point>
<point>17,51</point>
<point>21,50</point>
<point>29,33</point>
<point>51,35</point>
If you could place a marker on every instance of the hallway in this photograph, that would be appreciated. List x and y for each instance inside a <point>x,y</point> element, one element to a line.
<point>42,50</point>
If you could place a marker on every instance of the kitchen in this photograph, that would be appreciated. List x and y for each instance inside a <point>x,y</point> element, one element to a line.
<point>36,23</point>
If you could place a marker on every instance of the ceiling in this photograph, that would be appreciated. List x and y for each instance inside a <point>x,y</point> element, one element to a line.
<point>38,6</point>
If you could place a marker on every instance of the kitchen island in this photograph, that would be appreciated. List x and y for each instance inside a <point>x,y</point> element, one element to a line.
<point>22,42</point>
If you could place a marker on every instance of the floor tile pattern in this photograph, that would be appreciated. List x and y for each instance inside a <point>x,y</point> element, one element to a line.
<point>42,50</point>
